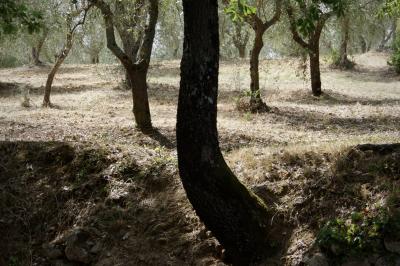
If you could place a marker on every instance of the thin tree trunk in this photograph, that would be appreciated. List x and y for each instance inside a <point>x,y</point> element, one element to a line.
<point>237,218</point>
<point>50,78</point>
<point>242,51</point>
<point>36,50</point>
<point>344,61</point>
<point>315,71</point>
<point>363,44</point>
<point>256,103</point>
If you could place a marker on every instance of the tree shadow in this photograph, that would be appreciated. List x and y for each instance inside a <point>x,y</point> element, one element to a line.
<point>162,139</point>
<point>377,74</point>
<point>330,97</point>
<point>317,121</point>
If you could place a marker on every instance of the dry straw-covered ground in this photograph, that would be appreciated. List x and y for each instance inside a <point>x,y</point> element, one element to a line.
<point>284,154</point>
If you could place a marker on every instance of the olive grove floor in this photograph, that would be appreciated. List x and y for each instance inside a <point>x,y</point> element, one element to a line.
<point>359,106</point>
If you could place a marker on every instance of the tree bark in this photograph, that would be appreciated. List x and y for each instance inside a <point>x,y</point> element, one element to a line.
<point>344,61</point>
<point>363,44</point>
<point>315,71</point>
<point>50,78</point>
<point>141,110</point>
<point>36,50</point>
<point>236,217</point>
<point>256,103</point>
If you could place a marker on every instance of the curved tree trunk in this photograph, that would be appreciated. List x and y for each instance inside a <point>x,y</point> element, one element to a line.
<point>60,59</point>
<point>36,50</point>
<point>236,217</point>
<point>256,103</point>
<point>315,71</point>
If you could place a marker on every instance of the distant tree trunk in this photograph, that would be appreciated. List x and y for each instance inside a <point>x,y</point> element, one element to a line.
<point>344,61</point>
<point>141,109</point>
<point>36,50</point>
<point>136,68</point>
<point>387,36</point>
<point>242,51</point>
<point>65,51</point>
<point>240,40</point>
<point>94,58</point>
<point>236,217</point>
<point>256,103</point>
<point>312,46</point>
<point>315,71</point>
<point>363,44</point>
<point>60,59</point>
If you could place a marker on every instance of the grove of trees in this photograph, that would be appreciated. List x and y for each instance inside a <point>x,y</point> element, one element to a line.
<point>133,32</point>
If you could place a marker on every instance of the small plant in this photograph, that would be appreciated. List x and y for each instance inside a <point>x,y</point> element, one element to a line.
<point>26,101</point>
<point>361,234</point>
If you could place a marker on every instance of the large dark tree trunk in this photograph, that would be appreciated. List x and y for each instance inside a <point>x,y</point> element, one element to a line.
<point>315,71</point>
<point>256,103</point>
<point>236,217</point>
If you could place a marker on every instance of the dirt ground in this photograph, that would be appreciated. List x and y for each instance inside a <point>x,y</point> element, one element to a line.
<point>285,153</point>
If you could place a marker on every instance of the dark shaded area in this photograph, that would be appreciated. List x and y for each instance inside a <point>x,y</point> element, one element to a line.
<point>317,121</point>
<point>163,140</point>
<point>50,190</point>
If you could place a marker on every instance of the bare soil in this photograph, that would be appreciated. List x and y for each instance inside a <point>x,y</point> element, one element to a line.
<point>84,165</point>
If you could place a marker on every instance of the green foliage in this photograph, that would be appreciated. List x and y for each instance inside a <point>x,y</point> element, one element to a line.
<point>313,10</point>
<point>395,58</point>
<point>15,16</point>
<point>391,7</point>
<point>238,10</point>
<point>361,234</point>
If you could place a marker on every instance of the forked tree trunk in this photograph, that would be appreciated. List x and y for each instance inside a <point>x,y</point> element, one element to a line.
<point>256,103</point>
<point>50,78</point>
<point>135,62</point>
<point>315,71</point>
<point>236,217</point>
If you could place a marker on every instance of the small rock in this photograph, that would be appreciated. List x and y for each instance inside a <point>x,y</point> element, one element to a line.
<point>75,253</point>
<point>51,251</point>
<point>317,259</point>
<point>96,248</point>
<point>392,246</point>
<point>61,263</point>
<point>357,262</point>
<point>76,247</point>
<point>162,241</point>
<point>126,236</point>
